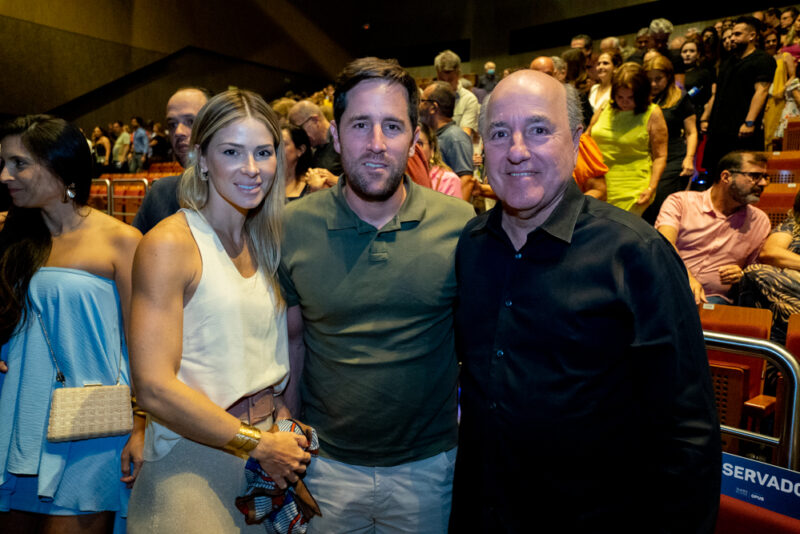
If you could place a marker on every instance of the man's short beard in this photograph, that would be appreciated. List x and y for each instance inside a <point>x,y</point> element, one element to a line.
<point>356,184</point>
<point>741,197</point>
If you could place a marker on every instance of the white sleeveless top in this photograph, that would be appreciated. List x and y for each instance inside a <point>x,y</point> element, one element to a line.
<point>235,339</point>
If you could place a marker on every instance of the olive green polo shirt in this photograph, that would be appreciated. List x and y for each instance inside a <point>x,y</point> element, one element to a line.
<point>379,382</point>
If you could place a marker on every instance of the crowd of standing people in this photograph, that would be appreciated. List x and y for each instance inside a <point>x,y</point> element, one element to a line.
<point>320,261</point>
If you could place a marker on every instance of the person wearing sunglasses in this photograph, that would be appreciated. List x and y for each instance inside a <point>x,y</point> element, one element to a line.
<point>717,232</point>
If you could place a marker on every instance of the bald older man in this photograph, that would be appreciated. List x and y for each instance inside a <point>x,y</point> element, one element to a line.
<point>162,199</point>
<point>544,64</point>
<point>582,406</point>
<point>309,117</point>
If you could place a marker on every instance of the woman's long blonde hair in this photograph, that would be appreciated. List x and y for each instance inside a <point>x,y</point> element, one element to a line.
<point>263,223</point>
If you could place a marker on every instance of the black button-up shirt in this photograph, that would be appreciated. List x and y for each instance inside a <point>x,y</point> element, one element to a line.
<point>586,395</point>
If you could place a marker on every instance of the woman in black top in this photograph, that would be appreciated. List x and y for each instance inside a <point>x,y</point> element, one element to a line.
<point>700,82</point>
<point>682,130</point>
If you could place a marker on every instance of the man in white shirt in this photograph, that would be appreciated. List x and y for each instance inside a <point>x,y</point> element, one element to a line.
<point>448,69</point>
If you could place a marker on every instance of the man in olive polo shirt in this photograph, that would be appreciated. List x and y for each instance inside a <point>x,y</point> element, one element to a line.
<point>368,274</point>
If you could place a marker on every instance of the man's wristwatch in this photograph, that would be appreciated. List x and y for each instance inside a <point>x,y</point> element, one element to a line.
<point>749,124</point>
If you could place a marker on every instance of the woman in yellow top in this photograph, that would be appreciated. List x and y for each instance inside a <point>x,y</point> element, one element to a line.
<point>632,136</point>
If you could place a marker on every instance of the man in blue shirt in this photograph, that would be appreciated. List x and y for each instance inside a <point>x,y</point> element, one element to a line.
<point>141,142</point>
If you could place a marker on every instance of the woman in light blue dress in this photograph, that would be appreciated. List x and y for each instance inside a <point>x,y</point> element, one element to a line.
<point>65,273</point>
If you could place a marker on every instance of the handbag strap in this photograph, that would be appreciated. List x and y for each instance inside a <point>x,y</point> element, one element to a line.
<point>59,374</point>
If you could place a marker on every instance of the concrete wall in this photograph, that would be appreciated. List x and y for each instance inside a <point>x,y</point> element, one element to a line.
<point>56,51</point>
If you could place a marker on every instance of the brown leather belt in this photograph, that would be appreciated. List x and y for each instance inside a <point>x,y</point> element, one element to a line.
<point>254,408</point>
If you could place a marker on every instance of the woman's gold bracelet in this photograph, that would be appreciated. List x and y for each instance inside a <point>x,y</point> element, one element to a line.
<point>244,441</point>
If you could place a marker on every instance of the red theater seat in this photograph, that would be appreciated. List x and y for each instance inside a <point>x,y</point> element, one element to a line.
<point>739,517</point>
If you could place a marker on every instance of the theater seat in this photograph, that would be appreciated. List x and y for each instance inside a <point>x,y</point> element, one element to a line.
<point>739,517</point>
<point>740,321</point>
<point>776,201</point>
<point>729,391</point>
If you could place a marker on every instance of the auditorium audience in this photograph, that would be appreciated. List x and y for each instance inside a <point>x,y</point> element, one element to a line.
<point>489,78</point>
<point>65,289</point>
<point>779,94</point>
<point>710,50</point>
<point>544,64</point>
<point>298,161</point>
<point>772,18</point>
<point>632,137</point>
<point>733,117</point>
<point>140,145</point>
<point>788,16</point>
<point>209,346</point>
<point>641,121</point>
<point>600,92</point>
<point>791,41</point>
<point>578,77</point>
<point>560,68</point>
<point>681,122</point>
<point>443,179</point>
<point>122,147</point>
<point>467,108</point>
<point>101,147</point>
<point>718,232</point>
<point>308,116</point>
<point>161,200</point>
<point>159,145</point>
<point>699,81</point>
<point>436,110</point>
<point>774,283</point>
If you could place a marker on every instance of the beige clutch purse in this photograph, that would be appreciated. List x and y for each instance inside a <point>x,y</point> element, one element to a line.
<point>90,411</point>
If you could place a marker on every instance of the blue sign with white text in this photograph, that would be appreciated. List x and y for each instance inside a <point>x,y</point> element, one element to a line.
<point>773,488</point>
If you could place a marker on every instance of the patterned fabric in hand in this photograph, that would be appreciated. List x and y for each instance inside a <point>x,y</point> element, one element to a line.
<point>281,511</point>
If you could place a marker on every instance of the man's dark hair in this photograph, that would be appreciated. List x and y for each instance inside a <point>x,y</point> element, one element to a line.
<point>139,121</point>
<point>373,68</point>
<point>792,10</point>
<point>772,12</point>
<point>203,90</point>
<point>445,97</point>
<point>733,161</point>
<point>117,122</point>
<point>587,41</point>
<point>753,22</point>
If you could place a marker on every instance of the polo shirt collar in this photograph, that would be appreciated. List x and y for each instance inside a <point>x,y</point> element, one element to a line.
<point>708,207</point>
<point>343,217</point>
<point>560,224</point>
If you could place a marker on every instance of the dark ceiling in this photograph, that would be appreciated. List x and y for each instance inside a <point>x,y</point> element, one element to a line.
<point>415,30</point>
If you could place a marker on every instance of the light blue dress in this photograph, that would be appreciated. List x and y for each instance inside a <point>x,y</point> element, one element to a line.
<point>82,315</point>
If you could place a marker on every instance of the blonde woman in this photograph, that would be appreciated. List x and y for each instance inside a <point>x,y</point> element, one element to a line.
<point>208,334</point>
<point>681,121</point>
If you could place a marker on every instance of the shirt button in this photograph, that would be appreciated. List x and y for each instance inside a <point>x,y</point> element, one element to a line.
<point>508,303</point>
<point>500,353</point>
<point>517,256</point>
